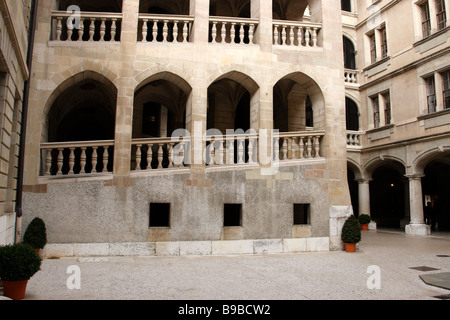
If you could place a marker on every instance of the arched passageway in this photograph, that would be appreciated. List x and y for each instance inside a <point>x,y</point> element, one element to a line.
<point>389,195</point>
<point>436,190</point>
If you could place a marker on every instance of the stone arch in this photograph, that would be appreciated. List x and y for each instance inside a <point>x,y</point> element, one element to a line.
<point>374,163</point>
<point>421,161</point>
<point>164,90</point>
<point>304,86</point>
<point>73,93</point>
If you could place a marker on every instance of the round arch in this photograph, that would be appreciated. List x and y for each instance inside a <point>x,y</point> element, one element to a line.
<point>421,161</point>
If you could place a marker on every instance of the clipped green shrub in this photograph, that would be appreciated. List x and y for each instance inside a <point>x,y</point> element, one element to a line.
<point>351,231</point>
<point>18,262</point>
<point>364,219</point>
<point>36,234</point>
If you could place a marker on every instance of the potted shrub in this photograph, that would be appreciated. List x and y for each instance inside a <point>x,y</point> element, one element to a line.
<point>351,233</point>
<point>364,220</point>
<point>36,234</point>
<point>18,263</point>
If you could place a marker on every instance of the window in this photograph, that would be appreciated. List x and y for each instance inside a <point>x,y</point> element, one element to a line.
<point>346,5</point>
<point>159,215</point>
<point>232,215</point>
<point>301,213</point>
<point>426,24</point>
<point>373,48</point>
<point>446,89</point>
<point>376,111</point>
<point>431,94</point>
<point>387,108</point>
<point>441,17</point>
<point>349,54</point>
<point>384,47</point>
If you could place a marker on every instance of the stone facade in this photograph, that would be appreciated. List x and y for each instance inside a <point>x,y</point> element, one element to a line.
<point>131,109</point>
<point>14,20</point>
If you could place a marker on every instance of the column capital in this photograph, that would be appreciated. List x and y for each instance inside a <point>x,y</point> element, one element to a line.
<point>415,176</point>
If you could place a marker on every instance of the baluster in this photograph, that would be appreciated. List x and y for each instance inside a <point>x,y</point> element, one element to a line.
<point>171,155</point>
<point>240,150</point>
<point>300,36</point>
<point>232,32</point>
<point>81,30</point>
<point>308,148</point>
<point>175,31</point>
<point>60,161</point>
<point>283,34</point>
<point>214,32</point>
<point>71,160</point>
<point>241,33</point>
<point>316,147</point>
<point>83,160</point>
<point>307,37</point>
<point>211,153</point>
<point>291,36</point>
<point>284,150</point>
<point>276,149</point>
<point>301,147</point>
<point>103,29</point>
<point>290,148</point>
<point>138,156</point>
<point>275,34</point>
<point>113,29</point>
<point>48,162</point>
<point>155,30</point>
<point>314,37</point>
<point>160,155</point>
<point>69,33</point>
<point>144,30</point>
<point>250,150</point>
<point>230,151</point>
<point>58,28</point>
<point>94,159</point>
<point>223,32</point>
<point>181,153</point>
<point>165,31</point>
<point>105,158</point>
<point>149,156</point>
<point>251,32</point>
<point>91,29</point>
<point>219,155</point>
<point>185,31</point>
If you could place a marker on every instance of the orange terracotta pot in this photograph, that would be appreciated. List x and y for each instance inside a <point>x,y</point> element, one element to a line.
<point>14,289</point>
<point>350,247</point>
<point>364,227</point>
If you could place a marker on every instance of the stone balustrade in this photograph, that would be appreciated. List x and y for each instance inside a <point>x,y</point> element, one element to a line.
<point>354,138</point>
<point>296,34</point>
<point>232,30</point>
<point>350,76</point>
<point>164,28</point>
<point>298,145</point>
<point>86,26</point>
<point>94,157</point>
<point>77,158</point>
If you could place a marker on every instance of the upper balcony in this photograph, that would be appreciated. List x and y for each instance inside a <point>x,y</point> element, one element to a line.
<point>170,22</point>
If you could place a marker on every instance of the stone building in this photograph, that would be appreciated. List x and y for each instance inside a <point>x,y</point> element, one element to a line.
<point>14,25</point>
<point>208,126</point>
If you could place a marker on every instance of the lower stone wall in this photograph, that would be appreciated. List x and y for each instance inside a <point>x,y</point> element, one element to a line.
<point>7,228</point>
<point>183,248</point>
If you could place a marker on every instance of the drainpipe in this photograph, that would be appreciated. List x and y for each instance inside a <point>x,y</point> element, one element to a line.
<point>23,127</point>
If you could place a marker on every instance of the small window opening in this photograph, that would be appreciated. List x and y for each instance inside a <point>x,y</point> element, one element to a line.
<point>232,215</point>
<point>301,213</point>
<point>159,215</point>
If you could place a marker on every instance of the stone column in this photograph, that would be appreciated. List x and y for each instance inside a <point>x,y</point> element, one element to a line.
<point>262,10</point>
<point>199,9</point>
<point>364,199</point>
<point>125,94</point>
<point>417,224</point>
